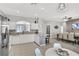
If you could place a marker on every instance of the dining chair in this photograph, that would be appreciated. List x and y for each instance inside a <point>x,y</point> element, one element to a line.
<point>57,46</point>
<point>60,37</point>
<point>71,36</point>
<point>65,36</point>
<point>38,52</point>
<point>77,37</point>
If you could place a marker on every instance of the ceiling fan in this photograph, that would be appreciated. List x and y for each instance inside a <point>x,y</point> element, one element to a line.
<point>62,7</point>
<point>66,18</point>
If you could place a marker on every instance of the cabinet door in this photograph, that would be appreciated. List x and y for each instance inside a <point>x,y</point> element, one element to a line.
<point>14,39</point>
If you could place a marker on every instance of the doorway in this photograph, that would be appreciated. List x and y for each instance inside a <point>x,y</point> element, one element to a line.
<point>48,30</point>
<point>47,34</point>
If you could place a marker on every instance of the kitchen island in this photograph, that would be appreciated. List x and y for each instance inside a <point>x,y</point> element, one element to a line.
<point>21,37</point>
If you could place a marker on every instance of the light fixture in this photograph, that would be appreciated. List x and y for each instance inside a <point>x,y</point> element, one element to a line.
<point>62,7</point>
<point>65,19</point>
<point>18,11</point>
<point>42,8</point>
<point>36,19</point>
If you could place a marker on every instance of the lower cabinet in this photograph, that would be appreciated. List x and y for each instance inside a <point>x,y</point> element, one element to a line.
<point>24,38</point>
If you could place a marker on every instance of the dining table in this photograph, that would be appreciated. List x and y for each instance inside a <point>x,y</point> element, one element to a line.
<point>52,52</point>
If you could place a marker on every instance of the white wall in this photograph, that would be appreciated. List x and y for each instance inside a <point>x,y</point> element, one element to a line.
<point>11,24</point>
<point>34,26</point>
<point>0,31</point>
<point>14,19</point>
<point>41,27</point>
<point>54,31</point>
<point>20,18</point>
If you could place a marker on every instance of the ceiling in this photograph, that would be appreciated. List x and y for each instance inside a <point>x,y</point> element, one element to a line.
<point>48,11</point>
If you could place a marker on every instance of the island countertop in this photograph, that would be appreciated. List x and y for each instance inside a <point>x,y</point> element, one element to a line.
<point>20,33</point>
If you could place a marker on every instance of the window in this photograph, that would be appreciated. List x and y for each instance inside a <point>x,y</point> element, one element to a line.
<point>20,27</point>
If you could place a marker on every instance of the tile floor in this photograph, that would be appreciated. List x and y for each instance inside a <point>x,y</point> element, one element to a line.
<point>27,49</point>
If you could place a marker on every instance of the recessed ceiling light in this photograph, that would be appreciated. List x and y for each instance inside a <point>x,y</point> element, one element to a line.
<point>35,14</point>
<point>18,11</point>
<point>65,20</point>
<point>42,8</point>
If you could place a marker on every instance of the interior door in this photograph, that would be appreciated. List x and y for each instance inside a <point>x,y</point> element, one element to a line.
<point>48,30</point>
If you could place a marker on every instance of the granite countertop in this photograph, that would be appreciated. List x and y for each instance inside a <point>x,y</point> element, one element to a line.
<point>18,33</point>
